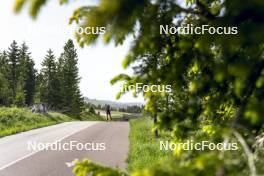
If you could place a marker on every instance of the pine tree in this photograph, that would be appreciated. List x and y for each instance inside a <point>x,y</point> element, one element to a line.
<point>39,80</point>
<point>48,81</point>
<point>13,63</point>
<point>5,93</point>
<point>73,99</point>
<point>28,74</point>
<point>3,63</point>
<point>60,99</point>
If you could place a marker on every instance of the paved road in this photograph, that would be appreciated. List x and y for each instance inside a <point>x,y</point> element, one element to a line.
<point>17,159</point>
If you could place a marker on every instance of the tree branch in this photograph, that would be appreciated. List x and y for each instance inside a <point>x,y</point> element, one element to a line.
<point>204,11</point>
<point>248,152</point>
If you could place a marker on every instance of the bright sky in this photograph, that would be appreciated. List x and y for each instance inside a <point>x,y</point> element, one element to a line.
<point>97,63</point>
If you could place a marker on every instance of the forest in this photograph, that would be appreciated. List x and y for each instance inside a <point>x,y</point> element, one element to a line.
<point>56,84</point>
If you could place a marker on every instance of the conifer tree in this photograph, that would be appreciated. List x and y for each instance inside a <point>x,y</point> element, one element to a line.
<point>28,74</point>
<point>61,102</point>
<point>13,65</point>
<point>48,80</point>
<point>5,92</point>
<point>73,99</point>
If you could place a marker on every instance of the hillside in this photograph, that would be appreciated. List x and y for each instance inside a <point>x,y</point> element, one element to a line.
<point>113,104</point>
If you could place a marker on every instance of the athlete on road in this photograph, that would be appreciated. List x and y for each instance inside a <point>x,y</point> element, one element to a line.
<point>108,113</point>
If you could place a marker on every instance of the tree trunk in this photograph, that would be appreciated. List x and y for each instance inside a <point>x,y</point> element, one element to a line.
<point>155,119</point>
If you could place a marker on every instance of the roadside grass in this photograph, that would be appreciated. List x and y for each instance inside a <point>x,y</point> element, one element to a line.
<point>92,117</point>
<point>144,150</point>
<point>15,120</point>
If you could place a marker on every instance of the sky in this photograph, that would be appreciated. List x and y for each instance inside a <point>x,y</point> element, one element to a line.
<point>97,63</point>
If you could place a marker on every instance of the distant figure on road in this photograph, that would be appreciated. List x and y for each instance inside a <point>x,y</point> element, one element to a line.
<point>108,112</point>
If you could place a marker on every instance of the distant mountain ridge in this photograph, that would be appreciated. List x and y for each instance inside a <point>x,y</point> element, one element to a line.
<point>111,103</point>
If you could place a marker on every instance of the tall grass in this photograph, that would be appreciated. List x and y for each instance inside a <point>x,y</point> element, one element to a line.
<point>144,148</point>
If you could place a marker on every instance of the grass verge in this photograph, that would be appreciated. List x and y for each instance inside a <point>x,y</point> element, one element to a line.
<point>92,117</point>
<point>144,149</point>
<point>15,120</point>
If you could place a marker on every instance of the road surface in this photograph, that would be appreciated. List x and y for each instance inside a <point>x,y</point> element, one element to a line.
<point>107,144</point>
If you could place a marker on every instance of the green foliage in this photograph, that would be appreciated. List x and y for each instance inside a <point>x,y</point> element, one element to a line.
<point>35,6</point>
<point>18,5</point>
<point>59,81</point>
<point>82,168</point>
<point>91,110</point>
<point>17,76</point>
<point>19,99</point>
<point>217,80</point>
